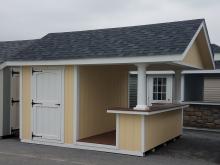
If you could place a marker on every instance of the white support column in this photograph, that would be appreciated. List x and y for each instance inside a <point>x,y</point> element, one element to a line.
<point>178,86</point>
<point>141,87</point>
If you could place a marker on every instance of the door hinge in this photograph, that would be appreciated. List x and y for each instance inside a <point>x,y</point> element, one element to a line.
<point>33,103</point>
<point>14,72</point>
<point>14,101</point>
<point>34,71</point>
<point>33,136</point>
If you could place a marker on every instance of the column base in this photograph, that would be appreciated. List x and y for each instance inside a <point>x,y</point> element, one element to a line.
<point>141,107</point>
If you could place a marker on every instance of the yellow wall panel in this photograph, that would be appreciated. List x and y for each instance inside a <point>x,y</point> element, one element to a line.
<point>199,55</point>
<point>26,102</point>
<point>130,132</point>
<point>162,127</point>
<point>68,105</point>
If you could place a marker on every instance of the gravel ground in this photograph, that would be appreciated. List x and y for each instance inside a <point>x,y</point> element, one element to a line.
<point>194,147</point>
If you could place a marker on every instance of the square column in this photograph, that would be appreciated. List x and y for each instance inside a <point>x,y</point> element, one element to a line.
<point>141,87</point>
<point>178,86</point>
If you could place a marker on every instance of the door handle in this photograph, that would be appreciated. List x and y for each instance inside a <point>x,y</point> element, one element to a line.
<point>33,103</point>
<point>57,104</point>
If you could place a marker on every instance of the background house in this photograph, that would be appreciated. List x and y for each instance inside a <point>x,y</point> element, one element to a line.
<point>202,92</point>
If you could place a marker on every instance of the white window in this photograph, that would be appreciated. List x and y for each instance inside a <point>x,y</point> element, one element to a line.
<point>159,89</point>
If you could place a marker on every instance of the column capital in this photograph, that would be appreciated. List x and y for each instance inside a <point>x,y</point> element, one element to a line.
<point>142,65</point>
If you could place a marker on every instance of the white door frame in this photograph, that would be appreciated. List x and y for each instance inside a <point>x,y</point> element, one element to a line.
<point>150,88</point>
<point>61,106</point>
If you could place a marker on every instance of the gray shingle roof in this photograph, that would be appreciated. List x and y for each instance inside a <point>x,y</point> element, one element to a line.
<point>215,48</point>
<point>145,40</point>
<point>10,49</point>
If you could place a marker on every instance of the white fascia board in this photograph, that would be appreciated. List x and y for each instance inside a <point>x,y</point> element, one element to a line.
<point>155,72</point>
<point>201,71</point>
<point>217,57</point>
<point>98,61</point>
<point>192,40</point>
<point>202,26</point>
<point>209,43</point>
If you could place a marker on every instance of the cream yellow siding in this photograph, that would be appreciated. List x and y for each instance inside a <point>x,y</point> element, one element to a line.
<point>130,132</point>
<point>193,57</point>
<point>212,89</point>
<point>100,87</point>
<point>26,102</point>
<point>198,55</point>
<point>162,127</point>
<point>68,105</point>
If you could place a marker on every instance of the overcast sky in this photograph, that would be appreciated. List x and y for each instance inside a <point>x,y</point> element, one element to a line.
<point>30,19</point>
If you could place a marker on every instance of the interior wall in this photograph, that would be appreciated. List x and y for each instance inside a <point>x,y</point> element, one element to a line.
<point>101,87</point>
<point>162,127</point>
<point>193,87</point>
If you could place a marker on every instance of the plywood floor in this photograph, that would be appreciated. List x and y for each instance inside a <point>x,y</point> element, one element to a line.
<point>108,138</point>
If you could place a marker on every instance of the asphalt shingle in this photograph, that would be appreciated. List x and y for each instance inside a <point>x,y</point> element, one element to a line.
<point>145,40</point>
<point>10,49</point>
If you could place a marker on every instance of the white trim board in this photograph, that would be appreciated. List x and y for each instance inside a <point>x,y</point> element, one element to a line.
<point>200,103</point>
<point>98,61</point>
<point>86,147</point>
<point>145,113</point>
<point>201,71</point>
<point>20,103</point>
<point>202,26</point>
<point>155,72</point>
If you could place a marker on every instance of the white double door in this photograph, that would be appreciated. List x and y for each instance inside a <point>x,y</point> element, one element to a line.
<point>47,104</point>
<point>159,88</point>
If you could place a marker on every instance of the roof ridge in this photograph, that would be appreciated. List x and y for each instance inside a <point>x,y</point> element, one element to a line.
<point>121,27</point>
<point>11,41</point>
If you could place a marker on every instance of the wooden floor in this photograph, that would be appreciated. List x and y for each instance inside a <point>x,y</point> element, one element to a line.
<point>108,138</point>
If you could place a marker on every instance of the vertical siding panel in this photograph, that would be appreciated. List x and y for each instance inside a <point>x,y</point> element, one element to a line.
<point>130,132</point>
<point>68,105</point>
<point>26,102</point>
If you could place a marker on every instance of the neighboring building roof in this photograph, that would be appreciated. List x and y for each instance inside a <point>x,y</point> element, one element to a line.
<point>145,40</point>
<point>215,48</point>
<point>10,49</point>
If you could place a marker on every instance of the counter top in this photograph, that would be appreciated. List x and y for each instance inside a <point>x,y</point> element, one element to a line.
<point>154,109</point>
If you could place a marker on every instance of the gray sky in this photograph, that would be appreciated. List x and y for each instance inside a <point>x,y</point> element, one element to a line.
<point>30,19</point>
